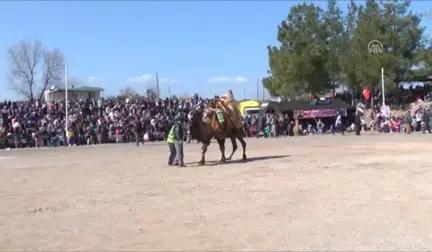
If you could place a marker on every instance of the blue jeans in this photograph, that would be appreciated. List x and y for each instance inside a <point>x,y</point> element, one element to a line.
<point>138,138</point>
<point>17,140</point>
<point>71,141</point>
<point>53,141</point>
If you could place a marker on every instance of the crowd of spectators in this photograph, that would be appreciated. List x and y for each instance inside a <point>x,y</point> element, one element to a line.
<point>397,98</point>
<point>36,124</point>
<point>25,124</point>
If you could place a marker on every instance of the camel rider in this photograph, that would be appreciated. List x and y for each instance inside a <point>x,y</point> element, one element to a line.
<point>195,100</point>
<point>227,101</point>
<point>175,143</point>
<point>228,97</point>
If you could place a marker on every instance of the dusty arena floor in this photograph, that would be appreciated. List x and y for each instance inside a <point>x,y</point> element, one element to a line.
<point>307,193</point>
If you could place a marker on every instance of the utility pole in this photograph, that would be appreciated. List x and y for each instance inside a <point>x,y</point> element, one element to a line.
<point>157,86</point>
<point>382,86</point>
<point>257,89</point>
<point>244,93</point>
<point>169,91</point>
<point>66,95</point>
<point>263,91</point>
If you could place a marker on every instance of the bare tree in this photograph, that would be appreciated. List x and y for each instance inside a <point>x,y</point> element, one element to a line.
<point>53,70</point>
<point>128,92</point>
<point>24,59</point>
<point>30,76</point>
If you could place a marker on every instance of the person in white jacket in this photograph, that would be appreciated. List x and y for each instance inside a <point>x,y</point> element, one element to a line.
<point>338,125</point>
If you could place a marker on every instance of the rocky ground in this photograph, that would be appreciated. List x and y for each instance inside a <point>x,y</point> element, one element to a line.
<point>306,193</point>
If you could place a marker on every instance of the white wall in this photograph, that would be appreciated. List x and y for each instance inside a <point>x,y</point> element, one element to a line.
<point>72,95</point>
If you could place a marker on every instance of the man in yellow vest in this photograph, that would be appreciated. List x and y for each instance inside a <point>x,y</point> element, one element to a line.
<point>175,143</point>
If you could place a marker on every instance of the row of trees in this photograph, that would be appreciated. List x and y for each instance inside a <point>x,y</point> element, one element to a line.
<point>322,49</point>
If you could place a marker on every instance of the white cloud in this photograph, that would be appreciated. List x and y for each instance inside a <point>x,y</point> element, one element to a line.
<point>148,78</point>
<point>240,79</point>
<point>218,79</point>
<point>225,79</point>
<point>141,78</point>
<point>91,79</point>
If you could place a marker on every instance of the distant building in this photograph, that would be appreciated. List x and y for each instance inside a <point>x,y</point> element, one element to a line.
<point>78,93</point>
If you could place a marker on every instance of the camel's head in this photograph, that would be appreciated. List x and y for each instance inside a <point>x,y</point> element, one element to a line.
<point>198,116</point>
<point>194,116</point>
<point>213,103</point>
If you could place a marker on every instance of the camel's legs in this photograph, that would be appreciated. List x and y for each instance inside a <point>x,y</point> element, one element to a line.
<point>234,147</point>
<point>203,152</point>
<point>243,143</point>
<point>221,142</point>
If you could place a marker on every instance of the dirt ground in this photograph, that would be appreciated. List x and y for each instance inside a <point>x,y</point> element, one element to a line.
<point>307,193</point>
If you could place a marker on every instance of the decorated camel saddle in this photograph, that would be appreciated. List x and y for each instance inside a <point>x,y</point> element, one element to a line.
<point>225,106</point>
<point>218,118</point>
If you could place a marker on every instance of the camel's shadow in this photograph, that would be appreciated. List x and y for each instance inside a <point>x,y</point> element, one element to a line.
<point>240,161</point>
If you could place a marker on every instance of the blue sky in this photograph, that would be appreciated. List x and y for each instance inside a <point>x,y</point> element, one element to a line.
<point>197,46</point>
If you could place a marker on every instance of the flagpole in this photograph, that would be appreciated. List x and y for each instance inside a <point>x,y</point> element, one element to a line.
<point>382,86</point>
<point>66,96</point>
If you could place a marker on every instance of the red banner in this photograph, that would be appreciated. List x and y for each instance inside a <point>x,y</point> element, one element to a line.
<point>318,113</point>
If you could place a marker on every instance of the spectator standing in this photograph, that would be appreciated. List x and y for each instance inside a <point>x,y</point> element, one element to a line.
<point>138,131</point>
<point>16,126</point>
<point>426,120</point>
<point>338,124</point>
<point>175,143</point>
<point>357,123</point>
<point>273,126</point>
<point>320,126</point>
<point>407,123</point>
<point>260,125</point>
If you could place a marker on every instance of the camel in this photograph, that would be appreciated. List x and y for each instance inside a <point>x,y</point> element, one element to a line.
<point>204,127</point>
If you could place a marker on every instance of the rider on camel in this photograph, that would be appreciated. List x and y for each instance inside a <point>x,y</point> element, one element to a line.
<point>227,100</point>
<point>228,97</point>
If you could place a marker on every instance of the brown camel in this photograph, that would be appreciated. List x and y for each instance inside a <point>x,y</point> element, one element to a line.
<point>204,127</point>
